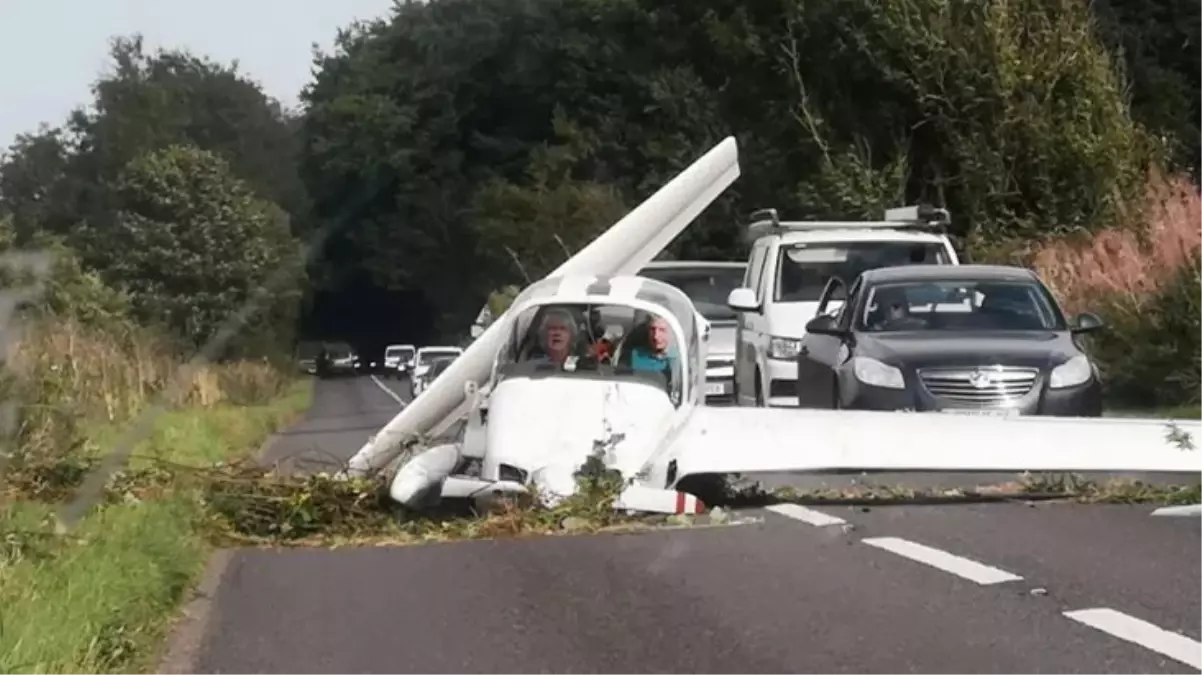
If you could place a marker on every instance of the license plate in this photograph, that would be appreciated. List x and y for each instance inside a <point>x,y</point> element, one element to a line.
<point>715,389</point>
<point>1004,412</point>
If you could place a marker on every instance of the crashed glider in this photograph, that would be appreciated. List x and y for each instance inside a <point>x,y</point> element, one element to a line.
<point>534,418</point>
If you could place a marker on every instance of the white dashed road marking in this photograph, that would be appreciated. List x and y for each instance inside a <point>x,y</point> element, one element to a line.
<point>953,564</point>
<point>805,515</point>
<point>1140,632</point>
<point>1187,510</point>
<point>388,391</point>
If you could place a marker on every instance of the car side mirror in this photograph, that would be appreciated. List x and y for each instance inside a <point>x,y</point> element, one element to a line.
<point>1087,322</point>
<point>742,300</point>
<point>824,325</point>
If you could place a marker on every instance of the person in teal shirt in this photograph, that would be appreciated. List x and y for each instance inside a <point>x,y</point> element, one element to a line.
<point>658,355</point>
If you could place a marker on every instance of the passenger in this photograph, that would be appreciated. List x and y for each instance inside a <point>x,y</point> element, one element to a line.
<point>658,355</point>
<point>557,335</point>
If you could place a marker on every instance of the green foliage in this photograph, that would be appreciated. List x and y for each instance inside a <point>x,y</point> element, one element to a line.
<point>191,243</point>
<point>544,223</point>
<point>1152,352</point>
<point>1010,114</point>
<point>71,291</point>
<point>500,300</point>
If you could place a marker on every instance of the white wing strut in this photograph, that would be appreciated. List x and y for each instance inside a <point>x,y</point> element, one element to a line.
<point>624,248</point>
<point>767,440</point>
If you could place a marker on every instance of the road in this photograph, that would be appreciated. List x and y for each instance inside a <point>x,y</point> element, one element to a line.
<point>964,588</point>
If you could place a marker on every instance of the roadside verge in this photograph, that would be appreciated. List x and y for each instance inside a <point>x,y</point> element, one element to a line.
<point>101,597</point>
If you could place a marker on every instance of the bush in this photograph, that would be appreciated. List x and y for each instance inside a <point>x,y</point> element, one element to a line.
<point>1144,279</point>
<point>81,364</point>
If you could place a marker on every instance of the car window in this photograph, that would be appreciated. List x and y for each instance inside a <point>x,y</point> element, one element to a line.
<point>803,269</point>
<point>427,357</point>
<point>708,288</point>
<point>842,315</point>
<point>960,306</point>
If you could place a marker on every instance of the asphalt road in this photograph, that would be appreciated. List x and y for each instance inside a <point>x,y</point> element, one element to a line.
<point>966,588</point>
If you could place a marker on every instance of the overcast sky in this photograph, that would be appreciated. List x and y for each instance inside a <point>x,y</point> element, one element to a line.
<point>51,51</point>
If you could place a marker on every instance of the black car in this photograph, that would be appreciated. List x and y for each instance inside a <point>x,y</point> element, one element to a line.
<point>983,338</point>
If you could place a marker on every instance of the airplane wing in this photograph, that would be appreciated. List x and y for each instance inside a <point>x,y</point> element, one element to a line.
<point>770,440</point>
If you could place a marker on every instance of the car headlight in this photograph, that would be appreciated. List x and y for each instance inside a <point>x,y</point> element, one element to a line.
<point>877,374</point>
<point>783,349</point>
<point>1076,371</point>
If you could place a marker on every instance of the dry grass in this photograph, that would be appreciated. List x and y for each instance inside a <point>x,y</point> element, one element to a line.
<point>72,380</point>
<point>1128,264</point>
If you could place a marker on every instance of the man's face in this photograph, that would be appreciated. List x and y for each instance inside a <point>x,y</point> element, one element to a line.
<point>659,335</point>
<point>558,335</point>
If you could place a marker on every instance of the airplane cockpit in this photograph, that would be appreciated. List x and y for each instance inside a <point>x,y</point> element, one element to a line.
<point>644,330</point>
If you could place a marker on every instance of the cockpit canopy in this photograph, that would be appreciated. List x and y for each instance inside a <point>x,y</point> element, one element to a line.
<point>624,328</point>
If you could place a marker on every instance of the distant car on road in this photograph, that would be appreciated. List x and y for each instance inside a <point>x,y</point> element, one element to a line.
<point>339,359</point>
<point>424,360</point>
<point>981,339</point>
<point>437,367</point>
<point>398,359</point>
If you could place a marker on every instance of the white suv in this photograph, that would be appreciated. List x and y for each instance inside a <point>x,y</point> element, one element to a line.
<point>789,266</point>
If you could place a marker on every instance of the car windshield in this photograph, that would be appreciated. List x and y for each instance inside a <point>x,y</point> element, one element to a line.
<point>440,365</point>
<point>960,306</point>
<point>403,352</point>
<point>594,340</point>
<point>707,287</point>
<point>804,269</point>
<point>429,356</point>
<point>339,351</point>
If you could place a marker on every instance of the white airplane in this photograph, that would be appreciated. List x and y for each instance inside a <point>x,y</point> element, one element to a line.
<point>533,424</point>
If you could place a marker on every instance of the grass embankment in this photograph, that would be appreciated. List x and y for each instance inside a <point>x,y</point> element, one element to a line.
<point>100,596</point>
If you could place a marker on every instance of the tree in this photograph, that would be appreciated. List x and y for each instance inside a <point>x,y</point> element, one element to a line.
<point>32,175</point>
<point>191,244</point>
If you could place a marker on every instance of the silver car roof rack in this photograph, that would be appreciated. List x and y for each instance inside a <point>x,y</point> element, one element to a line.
<point>765,222</point>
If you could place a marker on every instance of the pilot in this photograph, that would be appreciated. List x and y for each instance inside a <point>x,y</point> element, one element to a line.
<point>557,335</point>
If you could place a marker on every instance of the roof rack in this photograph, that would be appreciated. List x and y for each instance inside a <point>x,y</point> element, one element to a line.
<point>765,222</point>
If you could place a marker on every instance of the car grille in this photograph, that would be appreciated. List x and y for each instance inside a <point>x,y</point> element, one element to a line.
<point>986,387</point>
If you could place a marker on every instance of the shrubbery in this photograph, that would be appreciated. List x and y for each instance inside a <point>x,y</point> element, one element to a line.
<point>1144,279</point>
<point>81,364</point>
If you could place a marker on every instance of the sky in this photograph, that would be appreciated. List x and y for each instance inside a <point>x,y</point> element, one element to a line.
<point>51,51</point>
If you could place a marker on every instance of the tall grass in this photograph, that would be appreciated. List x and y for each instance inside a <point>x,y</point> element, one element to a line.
<point>1144,278</point>
<point>73,381</point>
<point>1133,263</point>
<point>100,598</point>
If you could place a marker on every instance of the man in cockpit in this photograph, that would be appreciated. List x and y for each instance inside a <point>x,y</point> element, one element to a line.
<point>658,355</point>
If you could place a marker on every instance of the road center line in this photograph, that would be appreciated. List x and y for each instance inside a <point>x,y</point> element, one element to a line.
<point>388,391</point>
<point>1126,627</point>
<point>1193,510</point>
<point>953,564</point>
<point>810,516</point>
